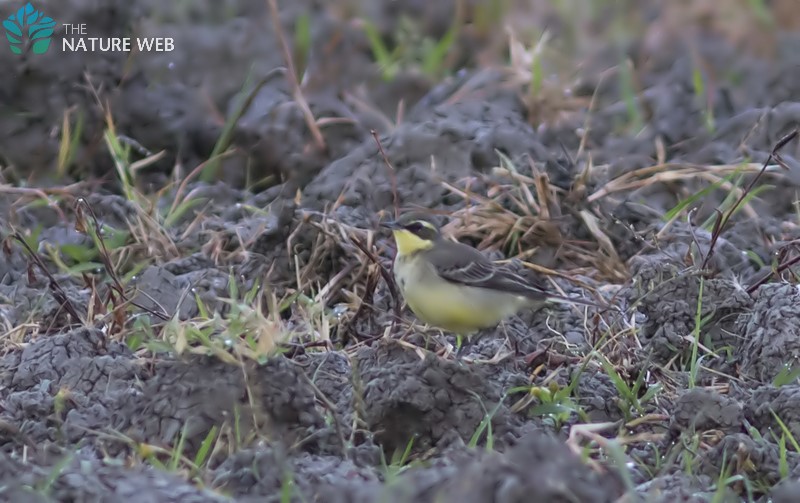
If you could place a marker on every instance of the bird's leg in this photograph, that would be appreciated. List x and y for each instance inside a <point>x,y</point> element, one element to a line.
<point>505,333</point>
<point>426,332</point>
<point>459,345</point>
<point>463,345</point>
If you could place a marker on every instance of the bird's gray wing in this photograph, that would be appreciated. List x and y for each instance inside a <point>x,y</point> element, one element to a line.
<point>464,265</point>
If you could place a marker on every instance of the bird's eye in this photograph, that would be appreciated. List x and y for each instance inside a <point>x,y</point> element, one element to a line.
<point>414,227</point>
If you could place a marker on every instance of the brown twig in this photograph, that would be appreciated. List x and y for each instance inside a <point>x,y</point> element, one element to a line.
<point>291,76</point>
<point>344,240</point>
<point>300,349</point>
<point>55,288</point>
<point>392,172</point>
<point>691,231</point>
<point>782,266</point>
<point>721,223</point>
<point>105,257</point>
<point>366,299</point>
<point>331,409</point>
<point>386,277</point>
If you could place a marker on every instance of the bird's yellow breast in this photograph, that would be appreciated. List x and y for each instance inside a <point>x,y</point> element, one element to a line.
<point>456,308</point>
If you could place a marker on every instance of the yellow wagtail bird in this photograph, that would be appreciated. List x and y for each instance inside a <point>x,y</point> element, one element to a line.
<point>455,287</point>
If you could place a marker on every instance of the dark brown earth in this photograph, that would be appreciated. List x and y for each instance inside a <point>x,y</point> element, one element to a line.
<point>230,334</point>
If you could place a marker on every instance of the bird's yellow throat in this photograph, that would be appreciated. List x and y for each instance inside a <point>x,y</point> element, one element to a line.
<point>409,243</point>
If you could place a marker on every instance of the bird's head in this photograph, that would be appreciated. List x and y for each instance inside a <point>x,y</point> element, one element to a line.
<point>413,234</point>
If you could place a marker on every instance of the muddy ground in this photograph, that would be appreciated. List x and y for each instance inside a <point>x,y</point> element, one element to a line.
<point>196,312</point>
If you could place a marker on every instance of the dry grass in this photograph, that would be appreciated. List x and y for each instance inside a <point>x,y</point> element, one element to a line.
<point>521,215</point>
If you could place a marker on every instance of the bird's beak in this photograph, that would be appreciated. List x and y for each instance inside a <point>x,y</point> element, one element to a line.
<point>390,225</point>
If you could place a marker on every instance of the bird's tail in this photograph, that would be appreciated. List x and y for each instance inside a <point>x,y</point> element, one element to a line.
<point>560,299</point>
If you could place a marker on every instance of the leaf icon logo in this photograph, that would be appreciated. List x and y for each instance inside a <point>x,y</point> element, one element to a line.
<point>29,27</point>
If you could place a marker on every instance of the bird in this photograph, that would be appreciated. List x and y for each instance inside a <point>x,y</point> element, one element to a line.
<point>455,287</point>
